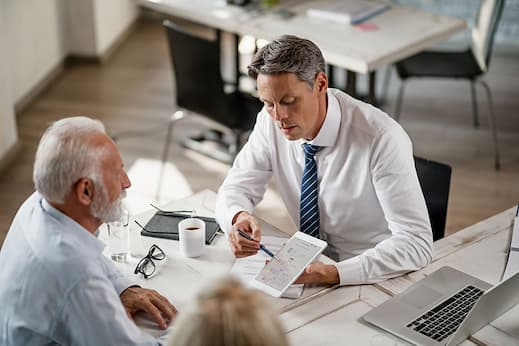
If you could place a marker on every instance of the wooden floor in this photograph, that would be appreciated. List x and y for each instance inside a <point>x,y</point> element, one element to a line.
<point>133,91</point>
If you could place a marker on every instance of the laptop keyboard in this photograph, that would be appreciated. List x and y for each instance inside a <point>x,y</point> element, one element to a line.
<point>443,320</point>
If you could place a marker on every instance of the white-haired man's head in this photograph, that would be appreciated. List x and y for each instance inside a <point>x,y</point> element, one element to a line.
<point>72,150</point>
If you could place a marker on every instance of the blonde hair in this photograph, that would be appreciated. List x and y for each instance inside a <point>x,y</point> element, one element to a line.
<point>229,315</point>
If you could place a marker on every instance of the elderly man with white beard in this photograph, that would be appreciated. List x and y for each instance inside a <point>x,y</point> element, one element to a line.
<point>56,287</point>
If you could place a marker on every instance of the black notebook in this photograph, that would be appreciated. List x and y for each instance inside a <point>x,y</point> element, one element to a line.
<point>165,225</point>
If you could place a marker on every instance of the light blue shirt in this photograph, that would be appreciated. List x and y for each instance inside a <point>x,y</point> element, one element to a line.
<point>57,288</point>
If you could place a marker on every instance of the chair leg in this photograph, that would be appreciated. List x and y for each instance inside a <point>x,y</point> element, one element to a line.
<point>475,114</point>
<point>399,100</point>
<point>234,144</point>
<point>351,83</point>
<point>372,92</point>
<point>174,118</point>
<point>385,85</point>
<point>331,76</point>
<point>493,125</point>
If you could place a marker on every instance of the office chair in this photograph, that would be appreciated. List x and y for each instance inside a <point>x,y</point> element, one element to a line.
<point>435,179</point>
<point>470,64</point>
<point>200,89</point>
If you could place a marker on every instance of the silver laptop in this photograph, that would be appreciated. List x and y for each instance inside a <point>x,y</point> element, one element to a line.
<point>444,308</point>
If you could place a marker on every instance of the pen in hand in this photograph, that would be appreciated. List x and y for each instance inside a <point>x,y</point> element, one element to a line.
<point>261,246</point>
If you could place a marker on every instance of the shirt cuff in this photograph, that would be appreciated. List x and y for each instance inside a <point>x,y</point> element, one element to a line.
<point>121,283</point>
<point>231,211</point>
<point>132,286</point>
<point>350,271</point>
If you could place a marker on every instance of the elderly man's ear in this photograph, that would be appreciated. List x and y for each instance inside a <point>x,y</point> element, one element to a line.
<point>85,191</point>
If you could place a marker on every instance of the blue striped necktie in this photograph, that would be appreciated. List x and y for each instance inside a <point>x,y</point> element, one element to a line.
<point>308,208</point>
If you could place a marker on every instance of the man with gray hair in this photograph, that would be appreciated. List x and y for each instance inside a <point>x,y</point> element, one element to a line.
<point>344,169</point>
<point>57,287</point>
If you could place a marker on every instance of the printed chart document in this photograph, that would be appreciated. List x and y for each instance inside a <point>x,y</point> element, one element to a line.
<point>347,11</point>
<point>512,265</point>
<point>245,269</point>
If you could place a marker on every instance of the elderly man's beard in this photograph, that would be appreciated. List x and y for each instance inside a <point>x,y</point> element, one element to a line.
<point>102,209</point>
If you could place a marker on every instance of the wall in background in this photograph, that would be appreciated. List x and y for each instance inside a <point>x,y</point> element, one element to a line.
<point>35,38</point>
<point>80,38</point>
<point>111,19</point>
<point>36,43</point>
<point>8,133</point>
<point>93,25</point>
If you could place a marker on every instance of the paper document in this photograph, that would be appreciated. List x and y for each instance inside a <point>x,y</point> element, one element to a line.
<point>347,11</point>
<point>512,265</point>
<point>245,269</point>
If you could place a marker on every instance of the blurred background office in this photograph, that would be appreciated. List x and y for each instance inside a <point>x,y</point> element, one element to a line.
<point>110,60</point>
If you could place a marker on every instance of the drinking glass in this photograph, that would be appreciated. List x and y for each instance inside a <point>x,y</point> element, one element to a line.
<point>119,238</point>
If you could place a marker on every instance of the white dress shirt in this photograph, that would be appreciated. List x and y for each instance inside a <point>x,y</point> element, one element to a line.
<point>57,288</point>
<point>372,210</point>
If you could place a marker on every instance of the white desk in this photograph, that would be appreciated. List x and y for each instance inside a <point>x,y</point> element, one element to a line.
<point>179,278</point>
<point>479,250</point>
<point>324,315</point>
<point>402,30</point>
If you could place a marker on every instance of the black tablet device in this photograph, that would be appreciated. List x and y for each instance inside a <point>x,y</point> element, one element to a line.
<point>164,224</point>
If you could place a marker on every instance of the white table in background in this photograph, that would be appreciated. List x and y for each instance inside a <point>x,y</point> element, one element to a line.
<point>399,32</point>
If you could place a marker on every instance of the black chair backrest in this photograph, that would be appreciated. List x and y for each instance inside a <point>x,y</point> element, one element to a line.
<point>435,179</point>
<point>196,64</point>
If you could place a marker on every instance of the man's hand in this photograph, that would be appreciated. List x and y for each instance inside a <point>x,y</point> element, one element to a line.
<point>240,246</point>
<point>136,299</point>
<point>319,273</point>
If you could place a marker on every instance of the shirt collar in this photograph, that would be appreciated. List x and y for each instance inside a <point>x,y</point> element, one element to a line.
<point>329,131</point>
<point>74,230</point>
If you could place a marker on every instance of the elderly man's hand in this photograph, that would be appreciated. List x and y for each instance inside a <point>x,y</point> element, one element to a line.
<point>136,299</point>
<point>319,273</point>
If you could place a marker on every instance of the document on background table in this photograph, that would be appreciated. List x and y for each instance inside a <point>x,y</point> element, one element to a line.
<point>245,269</point>
<point>512,265</point>
<point>347,11</point>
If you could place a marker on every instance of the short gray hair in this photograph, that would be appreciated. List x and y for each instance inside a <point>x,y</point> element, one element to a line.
<point>65,155</point>
<point>289,54</point>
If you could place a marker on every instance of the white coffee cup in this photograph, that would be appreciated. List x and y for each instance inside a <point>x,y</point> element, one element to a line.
<point>191,234</point>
